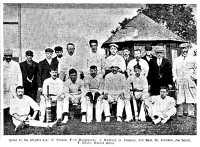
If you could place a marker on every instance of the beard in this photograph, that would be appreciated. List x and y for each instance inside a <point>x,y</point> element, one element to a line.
<point>8,59</point>
<point>59,56</point>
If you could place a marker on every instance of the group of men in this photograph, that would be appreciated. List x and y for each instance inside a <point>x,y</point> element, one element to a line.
<point>142,82</point>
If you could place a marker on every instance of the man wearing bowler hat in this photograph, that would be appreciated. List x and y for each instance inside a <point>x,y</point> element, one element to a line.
<point>44,68</point>
<point>29,70</point>
<point>12,77</point>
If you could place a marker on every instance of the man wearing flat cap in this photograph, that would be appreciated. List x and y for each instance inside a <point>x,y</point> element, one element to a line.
<point>59,53</point>
<point>184,75</point>
<point>114,59</point>
<point>12,77</point>
<point>44,68</point>
<point>29,70</point>
<point>162,72</point>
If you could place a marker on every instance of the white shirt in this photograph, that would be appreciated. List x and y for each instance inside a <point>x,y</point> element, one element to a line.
<point>55,86</point>
<point>49,61</point>
<point>68,62</point>
<point>162,105</point>
<point>159,61</point>
<point>74,88</point>
<point>115,83</point>
<point>116,60</point>
<point>22,106</point>
<point>144,66</point>
<point>94,84</point>
<point>97,59</point>
<point>12,77</point>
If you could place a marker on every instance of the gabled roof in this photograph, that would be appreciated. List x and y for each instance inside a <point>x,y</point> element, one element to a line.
<point>142,28</point>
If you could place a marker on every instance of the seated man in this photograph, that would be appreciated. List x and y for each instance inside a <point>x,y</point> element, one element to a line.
<point>75,93</point>
<point>137,83</point>
<point>94,84</point>
<point>53,95</point>
<point>116,92</point>
<point>161,107</point>
<point>20,111</point>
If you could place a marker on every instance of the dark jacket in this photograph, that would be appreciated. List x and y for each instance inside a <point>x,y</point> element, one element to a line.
<point>128,60</point>
<point>44,71</point>
<point>55,61</point>
<point>30,71</point>
<point>161,75</point>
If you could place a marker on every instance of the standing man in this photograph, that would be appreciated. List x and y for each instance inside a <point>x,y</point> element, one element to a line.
<point>68,62</point>
<point>184,68</point>
<point>59,53</point>
<point>150,58</point>
<point>44,68</point>
<point>12,77</point>
<point>161,107</point>
<point>162,72</point>
<point>137,83</point>
<point>29,70</point>
<point>114,59</point>
<point>95,57</point>
<point>127,58</point>
<point>138,60</point>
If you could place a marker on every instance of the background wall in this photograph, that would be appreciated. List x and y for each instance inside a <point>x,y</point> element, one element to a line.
<point>44,25</point>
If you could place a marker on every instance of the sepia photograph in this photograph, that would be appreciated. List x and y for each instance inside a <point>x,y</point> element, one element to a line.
<point>99,69</point>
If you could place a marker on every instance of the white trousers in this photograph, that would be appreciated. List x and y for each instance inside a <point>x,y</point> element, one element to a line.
<point>34,123</point>
<point>120,107</point>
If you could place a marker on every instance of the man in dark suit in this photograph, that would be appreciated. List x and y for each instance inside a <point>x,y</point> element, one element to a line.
<point>127,58</point>
<point>29,70</point>
<point>162,72</point>
<point>59,53</point>
<point>150,60</point>
<point>44,68</point>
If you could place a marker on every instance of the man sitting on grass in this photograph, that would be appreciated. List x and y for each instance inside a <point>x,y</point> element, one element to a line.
<point>20,111</point>
<point>161,107</point>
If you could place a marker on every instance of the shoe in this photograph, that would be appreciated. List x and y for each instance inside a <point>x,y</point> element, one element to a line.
<point>83,119</point>
<point>107,119</point>
<point>191,115</point>
<point>20,127</point>
<point>165,120</point>
<point>98,120</point>
<point>156,121</point>
<point>180,115</point>
<point>119,119</point>
<point>65,120</point>
<point>136,118</point>
<point>127,120</point>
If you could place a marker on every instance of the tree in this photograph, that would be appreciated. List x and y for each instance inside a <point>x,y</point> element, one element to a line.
<point>122,24</point>
<point>176,17</point>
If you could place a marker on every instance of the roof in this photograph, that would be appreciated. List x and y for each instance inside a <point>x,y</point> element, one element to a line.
<point>142,28</point>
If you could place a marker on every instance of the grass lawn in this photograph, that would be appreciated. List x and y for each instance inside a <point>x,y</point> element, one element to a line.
<point>177,126</point>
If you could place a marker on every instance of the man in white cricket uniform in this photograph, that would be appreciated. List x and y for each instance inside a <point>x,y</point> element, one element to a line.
<point>138,60</point>
<point>20,109</point>
<point>184,75</point>
<point>94,85</point>
<point>116,91</point>
<point>114,59</point>
<point>67,62</point>
<point>12,77</point>
<point>53,94</point>
<point>137,83</point>
<point>95,57</point>
<point>75,93</point>
<point>161,107</point>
